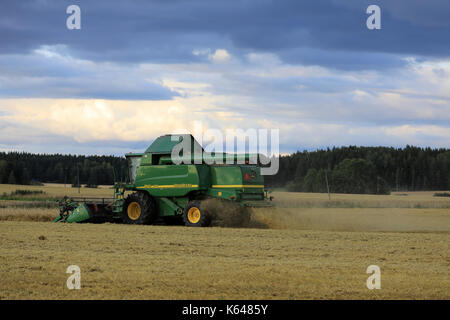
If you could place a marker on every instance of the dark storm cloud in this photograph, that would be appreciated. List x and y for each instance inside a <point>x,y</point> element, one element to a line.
<point>325,32</point>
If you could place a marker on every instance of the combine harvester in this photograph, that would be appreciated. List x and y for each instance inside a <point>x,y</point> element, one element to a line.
<point>158,189</point>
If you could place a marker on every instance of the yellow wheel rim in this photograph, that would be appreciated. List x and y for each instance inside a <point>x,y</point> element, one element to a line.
<point>194,215</point>
<point>134,210</point>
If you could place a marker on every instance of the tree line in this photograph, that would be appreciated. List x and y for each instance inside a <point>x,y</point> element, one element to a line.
<point>364,170</point>
<point>346,169</point>
<point>27,168</point>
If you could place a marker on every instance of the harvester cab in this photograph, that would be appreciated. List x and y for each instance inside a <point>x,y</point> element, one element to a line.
<point>172,179</point>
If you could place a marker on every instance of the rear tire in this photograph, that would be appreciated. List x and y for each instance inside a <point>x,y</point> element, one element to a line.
<point>195,216</point>
<point>139,208</point>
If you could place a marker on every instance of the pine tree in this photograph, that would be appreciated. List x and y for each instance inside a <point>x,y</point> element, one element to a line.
<point>11,178</point>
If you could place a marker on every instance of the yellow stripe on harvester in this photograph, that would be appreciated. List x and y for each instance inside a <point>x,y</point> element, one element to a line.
<point>165,186</point>
<point>238,186</point>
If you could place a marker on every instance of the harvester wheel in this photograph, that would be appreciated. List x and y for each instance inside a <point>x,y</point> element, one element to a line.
<point>195,216</point>
<point>139,208</point>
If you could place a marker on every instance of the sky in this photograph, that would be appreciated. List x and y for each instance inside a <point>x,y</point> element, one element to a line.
<point>139,69</point>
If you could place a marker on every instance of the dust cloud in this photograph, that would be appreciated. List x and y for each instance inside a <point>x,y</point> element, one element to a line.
<point>355,219</point>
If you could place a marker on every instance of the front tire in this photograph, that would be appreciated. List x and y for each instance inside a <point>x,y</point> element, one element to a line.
<point>139,208</point>
<point>195,216</point>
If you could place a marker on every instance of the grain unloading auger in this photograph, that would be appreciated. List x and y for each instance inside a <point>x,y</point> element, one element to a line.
<point>160,189</point>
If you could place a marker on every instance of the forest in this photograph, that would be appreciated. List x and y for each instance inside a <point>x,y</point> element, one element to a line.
<point>27,168</point>
<point>364,170</point>
<point>373,170</point>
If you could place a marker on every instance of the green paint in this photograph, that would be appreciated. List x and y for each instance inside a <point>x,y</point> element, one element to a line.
<point>79,214</point>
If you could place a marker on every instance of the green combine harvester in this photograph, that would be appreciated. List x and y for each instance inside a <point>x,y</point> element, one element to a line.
<point>159,189</point>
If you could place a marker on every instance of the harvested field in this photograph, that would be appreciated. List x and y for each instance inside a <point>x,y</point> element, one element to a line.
<point>305,248</point>
<point>161,262</point>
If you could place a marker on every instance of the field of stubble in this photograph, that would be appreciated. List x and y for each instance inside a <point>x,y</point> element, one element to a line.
<point>306,248</point>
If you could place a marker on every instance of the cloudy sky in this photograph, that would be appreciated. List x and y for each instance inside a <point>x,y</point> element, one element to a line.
<point>138,69</point>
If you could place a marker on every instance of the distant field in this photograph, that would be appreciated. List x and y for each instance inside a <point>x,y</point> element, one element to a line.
<point>282,199</point>
<point>307,247</point>
<point>417,199</point>
<point>55,190</point>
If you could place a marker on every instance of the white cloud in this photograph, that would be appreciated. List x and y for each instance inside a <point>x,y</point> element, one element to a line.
<point>220,55</point>
<point>312,106</point>
<point>86,120</point>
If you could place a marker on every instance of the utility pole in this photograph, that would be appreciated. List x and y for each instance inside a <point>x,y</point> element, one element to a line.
<point>78,178</point>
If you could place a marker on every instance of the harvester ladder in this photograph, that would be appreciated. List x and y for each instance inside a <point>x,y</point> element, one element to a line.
<point>119,193</point>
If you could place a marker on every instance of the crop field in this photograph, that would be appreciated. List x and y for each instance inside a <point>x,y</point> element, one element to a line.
<point>54,190</point>
<point>308,247</point>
